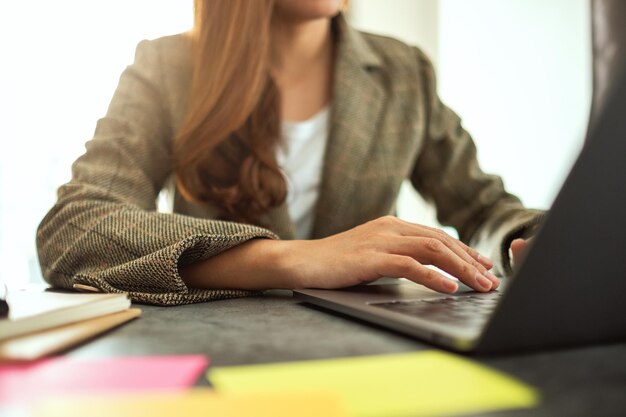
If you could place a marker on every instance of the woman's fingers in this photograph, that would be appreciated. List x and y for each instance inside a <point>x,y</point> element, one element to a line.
<point>399,266</point>
<point>405,248</point>
<point>468,254</point>
<point>413,229</point>
<point>517,251</point>
<point>431,251</point>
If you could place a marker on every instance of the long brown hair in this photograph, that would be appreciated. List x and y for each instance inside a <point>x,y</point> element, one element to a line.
<point>224,153</point>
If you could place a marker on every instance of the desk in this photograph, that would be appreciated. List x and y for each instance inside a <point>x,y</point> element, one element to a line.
<point>584,382</point>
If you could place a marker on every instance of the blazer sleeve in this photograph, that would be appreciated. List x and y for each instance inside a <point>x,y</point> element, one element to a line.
<point>104,230</point>
<point>447,173</point>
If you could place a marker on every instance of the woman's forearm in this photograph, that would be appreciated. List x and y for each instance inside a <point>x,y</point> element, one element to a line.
<point>254,265</point>
<point>383,247</point>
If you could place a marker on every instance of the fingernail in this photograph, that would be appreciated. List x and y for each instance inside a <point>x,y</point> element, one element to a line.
<point>450,285</point>
<point>483,281</point>
<point>492,276</point>
<point>484,260</point>
<point>495,284</point>
<point>496,280</point>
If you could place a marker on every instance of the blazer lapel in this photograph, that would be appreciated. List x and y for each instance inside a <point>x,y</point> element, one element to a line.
<point>358,98</point>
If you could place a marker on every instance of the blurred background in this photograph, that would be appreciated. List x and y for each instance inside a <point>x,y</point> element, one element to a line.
<point>517,71</point>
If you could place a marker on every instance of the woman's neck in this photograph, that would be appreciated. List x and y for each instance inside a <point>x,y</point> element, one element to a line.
<point>302,66</point>
<point>300,45</point>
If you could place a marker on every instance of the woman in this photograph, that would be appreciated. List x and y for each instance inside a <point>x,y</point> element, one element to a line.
<point>287,135</point>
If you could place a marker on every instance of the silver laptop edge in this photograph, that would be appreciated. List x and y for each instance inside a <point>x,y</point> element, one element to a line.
<point>358,303</point>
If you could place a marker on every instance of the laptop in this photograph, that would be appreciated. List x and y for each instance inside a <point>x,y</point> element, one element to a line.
<point>569,290</point>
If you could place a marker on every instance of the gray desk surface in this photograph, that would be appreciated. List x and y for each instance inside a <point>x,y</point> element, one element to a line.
<point>589,381</point>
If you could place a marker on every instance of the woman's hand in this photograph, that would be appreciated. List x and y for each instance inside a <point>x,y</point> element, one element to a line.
<point>389,247</point>
<point>385,247</point>
<point>518,250</point>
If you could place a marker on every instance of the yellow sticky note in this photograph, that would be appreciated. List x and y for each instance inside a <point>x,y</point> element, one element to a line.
<point>428,383</point>
<point>196,403</point>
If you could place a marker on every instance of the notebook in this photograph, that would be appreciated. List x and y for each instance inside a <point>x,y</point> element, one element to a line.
<point>36,310</point>
<point>46,342</point>
<point>569,289</point>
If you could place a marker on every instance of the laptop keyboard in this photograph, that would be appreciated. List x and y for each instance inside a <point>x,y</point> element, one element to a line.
<point>471,309</point>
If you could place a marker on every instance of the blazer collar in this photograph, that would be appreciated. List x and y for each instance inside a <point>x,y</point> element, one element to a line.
<point>352,45</point>
<point>357,104</point>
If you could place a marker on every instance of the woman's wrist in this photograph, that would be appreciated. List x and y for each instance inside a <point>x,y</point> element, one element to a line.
<point>269,263</point>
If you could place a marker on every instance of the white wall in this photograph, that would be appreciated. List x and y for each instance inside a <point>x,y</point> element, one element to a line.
<point>519,73</point>
<point>61,61</point>
<point>413,21</point>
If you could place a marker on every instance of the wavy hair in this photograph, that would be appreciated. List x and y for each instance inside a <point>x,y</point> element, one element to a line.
<point>224,153</point>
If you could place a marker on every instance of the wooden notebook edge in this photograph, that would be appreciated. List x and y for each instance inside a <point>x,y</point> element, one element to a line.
<point>36,345</point>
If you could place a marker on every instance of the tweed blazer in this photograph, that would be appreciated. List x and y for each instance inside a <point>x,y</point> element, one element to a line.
<point>387,124</point>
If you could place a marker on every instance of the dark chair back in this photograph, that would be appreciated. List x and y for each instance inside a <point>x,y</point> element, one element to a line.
<point>608,27</point>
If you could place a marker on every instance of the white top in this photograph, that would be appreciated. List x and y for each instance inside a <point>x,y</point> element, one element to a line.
<point>301,157</point>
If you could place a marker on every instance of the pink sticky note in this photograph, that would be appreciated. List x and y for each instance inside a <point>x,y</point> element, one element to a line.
<point>27,382</point>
